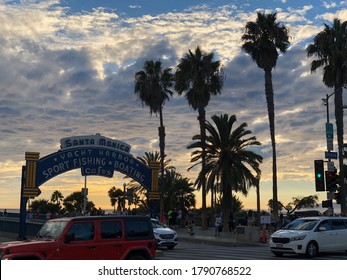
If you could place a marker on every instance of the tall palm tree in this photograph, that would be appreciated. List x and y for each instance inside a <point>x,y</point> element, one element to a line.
<point>262,41</point>
<point>153,86</point>
<point>199,77</point>
<point>329,47</point>
<point>228,157</point>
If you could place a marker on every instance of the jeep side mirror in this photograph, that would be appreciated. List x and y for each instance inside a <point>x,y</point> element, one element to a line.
<point>69,237</point>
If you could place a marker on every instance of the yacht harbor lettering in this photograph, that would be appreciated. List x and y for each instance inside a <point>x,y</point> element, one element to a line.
<point>99,161</point>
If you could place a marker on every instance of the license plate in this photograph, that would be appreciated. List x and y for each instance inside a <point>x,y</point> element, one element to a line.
<point>279,245</point>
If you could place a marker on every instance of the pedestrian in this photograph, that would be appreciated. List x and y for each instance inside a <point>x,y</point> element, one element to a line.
<point>231,222</point>
<point>179,218</point>
<point>5,212</point>
<point>191,227</point>
<point>218,225</point>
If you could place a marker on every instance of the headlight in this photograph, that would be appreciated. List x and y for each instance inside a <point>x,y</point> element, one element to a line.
<point>299,237</point>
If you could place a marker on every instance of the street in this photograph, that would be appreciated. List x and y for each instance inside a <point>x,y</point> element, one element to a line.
<point>196,251</point>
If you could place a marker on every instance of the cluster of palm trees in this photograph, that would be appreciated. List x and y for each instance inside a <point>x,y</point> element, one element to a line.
<point>222,154</point>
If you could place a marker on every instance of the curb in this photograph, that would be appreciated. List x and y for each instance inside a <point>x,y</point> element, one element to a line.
<point>228,243</point>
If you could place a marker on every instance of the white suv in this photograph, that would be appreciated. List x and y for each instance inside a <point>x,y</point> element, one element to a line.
<point>164,236</point>
<point>310,235</point>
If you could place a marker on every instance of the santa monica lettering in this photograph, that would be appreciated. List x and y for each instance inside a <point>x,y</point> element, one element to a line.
<point>93,140</point>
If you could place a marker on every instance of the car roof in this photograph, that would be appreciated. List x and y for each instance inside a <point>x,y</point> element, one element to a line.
<point>322,218</point>
<point>104,217</point>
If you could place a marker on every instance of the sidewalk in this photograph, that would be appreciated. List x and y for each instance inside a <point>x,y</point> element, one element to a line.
<point>208,237</point>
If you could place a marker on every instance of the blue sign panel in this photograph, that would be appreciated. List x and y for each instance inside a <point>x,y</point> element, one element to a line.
<point>331,155</point>
<point>92,161</point>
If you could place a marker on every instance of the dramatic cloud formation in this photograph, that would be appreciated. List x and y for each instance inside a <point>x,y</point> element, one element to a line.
<point>68,70</point>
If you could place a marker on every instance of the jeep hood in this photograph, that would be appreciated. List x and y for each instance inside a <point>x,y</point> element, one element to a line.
<point>22,244</point>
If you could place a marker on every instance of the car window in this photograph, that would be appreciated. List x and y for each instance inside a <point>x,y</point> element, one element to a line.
<point>137,228</point>
<point>82,231</point>
<point>111,229</point>
<point>300,224</point>
<point>325,224</point>
<point>338,224</point>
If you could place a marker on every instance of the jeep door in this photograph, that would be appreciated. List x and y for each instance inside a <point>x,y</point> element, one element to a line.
<point>79,242</point>
<point>111,245</point>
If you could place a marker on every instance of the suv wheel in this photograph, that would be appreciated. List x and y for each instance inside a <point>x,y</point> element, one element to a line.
<point>277,254</point>
<point>312,249</point>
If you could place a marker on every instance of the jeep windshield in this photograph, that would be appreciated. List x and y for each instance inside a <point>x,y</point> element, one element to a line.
<point>52,229</point>
<point>301,224</point>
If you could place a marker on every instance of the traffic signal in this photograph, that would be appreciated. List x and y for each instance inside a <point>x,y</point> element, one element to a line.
<point>331,180</point>
<point>319,175</point>
<point>337,197</point>
<point>327,203</point>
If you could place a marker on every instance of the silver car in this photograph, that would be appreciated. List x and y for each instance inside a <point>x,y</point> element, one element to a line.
<point>164,236</point>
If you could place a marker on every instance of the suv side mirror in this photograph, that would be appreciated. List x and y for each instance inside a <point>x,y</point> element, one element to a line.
<point>69,237</point>
<point>322,228</point>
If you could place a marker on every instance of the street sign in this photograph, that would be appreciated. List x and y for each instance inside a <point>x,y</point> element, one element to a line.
<point>331,155</point>
<point>330,144</point>
<point>331,166</point>
<point>329,130</point>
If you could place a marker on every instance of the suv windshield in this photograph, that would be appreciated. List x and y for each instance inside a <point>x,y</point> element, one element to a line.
<point>52,229</point>
<point>300,224</point>
<point>157,224</point>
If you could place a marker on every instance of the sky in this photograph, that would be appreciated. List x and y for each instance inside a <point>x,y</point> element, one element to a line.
<point>67,69</point>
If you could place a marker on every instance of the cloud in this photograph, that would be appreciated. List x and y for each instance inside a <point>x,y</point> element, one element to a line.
<point>65,73</point>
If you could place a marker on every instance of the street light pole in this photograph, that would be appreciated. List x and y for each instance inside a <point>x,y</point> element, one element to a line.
<point>340,149</point>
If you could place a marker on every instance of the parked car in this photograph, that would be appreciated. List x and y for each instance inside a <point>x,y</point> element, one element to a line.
<point>310,236</point>
<point>87,238</point>
<point>164,236</point>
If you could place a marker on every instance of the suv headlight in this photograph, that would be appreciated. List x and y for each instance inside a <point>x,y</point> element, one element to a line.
<point>299,237</point>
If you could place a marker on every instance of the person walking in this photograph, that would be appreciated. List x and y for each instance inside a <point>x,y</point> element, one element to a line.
<point>218,225</point>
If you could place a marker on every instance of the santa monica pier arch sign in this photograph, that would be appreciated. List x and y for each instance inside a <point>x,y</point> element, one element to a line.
<point>95,155</point>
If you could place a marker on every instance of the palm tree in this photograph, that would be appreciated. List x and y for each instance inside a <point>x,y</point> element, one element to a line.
<point>199,77</point>
<point>228,158</point>
<point>178,192</point>
<point>262,41</point>
<point>114,195</point>
<point>330,49</point>
<point>57,197</point>
<point>148,157</point>
<point>153,86</point>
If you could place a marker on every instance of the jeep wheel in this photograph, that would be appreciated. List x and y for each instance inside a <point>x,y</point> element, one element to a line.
<point>136,257</point>
<point>312,249</point>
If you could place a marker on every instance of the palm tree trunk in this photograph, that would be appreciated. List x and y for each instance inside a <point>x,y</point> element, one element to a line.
<point>271,114</point>
<point>339,130</point>
<point>201,118</point>
<point>162,156</point>
<point>227,202</point>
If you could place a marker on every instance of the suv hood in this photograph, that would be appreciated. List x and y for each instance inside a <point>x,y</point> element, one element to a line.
<point>288,233</point>
<point>163,231</point>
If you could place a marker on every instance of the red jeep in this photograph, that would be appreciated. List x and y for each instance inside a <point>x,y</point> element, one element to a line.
<point>87,238</point>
